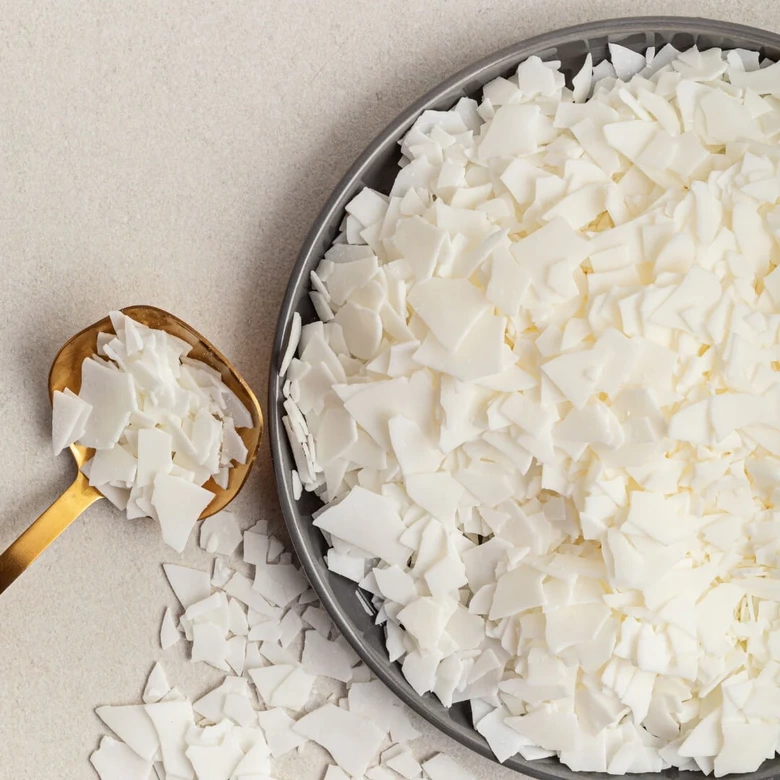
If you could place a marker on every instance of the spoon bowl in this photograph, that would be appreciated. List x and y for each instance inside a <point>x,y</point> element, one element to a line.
<point>66,373</point>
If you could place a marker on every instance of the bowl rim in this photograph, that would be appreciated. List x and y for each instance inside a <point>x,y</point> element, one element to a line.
<point>311,249</point>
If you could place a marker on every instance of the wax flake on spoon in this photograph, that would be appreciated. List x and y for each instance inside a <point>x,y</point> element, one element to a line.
<point>111,395</point>
<point>69,419</point>
<point>161,423</point>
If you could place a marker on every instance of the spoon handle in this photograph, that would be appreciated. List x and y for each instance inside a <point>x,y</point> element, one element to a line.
<point>46,529</point>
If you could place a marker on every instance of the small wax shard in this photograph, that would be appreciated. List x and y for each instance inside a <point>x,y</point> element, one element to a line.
<point>157,685</point>
<point>69,419</point>
<point>318,619</point>
<point>279,583</point>
<point>169,633</point>
<point>171,720</point>
<point>327,659</point>
<point>450,308</point>
<point>626,62</point>
<point>133,726</point>
<point>114,465</point>
<point>220,533</point>
<point>189,585</point>
<point>292,343</point>
<point>279,730</point>
<point>404,763</point>
<point>382,538</point>
<point>111,395</point>
<point>179,504</point>
<point>374,701</point>
<point>116,761</point>
<point>352,740</point>
<point>210,645</point>
<point>503,740</point>
<point>442,767</point>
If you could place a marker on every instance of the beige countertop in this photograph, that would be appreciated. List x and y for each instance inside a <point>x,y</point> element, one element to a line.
<point>175,152</point>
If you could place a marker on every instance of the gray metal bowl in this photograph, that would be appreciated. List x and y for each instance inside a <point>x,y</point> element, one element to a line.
<point>377,168</point>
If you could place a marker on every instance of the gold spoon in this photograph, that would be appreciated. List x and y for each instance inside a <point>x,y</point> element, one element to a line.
<point>66,372</point>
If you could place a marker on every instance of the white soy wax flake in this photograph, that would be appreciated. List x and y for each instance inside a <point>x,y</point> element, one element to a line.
<point>231,736</point>
<point>189,585</point>
<point>352,740</point>
<point>557,458</point>
<point>132,725</point>
<point>220,533</point>
<point>69,419</point>
<point>157,685</point>
<point>116,761</point>
<point>292,343</point>
<point>151,412</point>
<point>169,633</point>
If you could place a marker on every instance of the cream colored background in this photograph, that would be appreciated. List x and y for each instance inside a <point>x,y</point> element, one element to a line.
<point>175,152</point>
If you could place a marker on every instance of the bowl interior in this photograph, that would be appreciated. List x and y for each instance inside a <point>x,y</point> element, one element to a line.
<point>376,168</point>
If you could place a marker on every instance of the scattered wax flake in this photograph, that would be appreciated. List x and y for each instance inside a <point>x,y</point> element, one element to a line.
<point>240,587</point>
<point>238,624</point>
<point>278,728</point>
<point>334,773</point>
<point>154,455</point>
<point>212,705</point>
<point>222,573</point>
<point>169,633</point>
<point>327,659</point>
<point>116,465</point>
<point>279,583</point>
<point>292,343</point>
<point>255,548</point>
<point>352,740</point>
<point>209,644</point>
<point>220,533</point>
<point>441,767</point>
<point>189,585</point>
<point>116,761</point>
<point>318,619</point>
<point>404,763</point>
<point>171,720</point>
<point>157,685</point>
<point>375,702</point>
<point>132,725</point>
